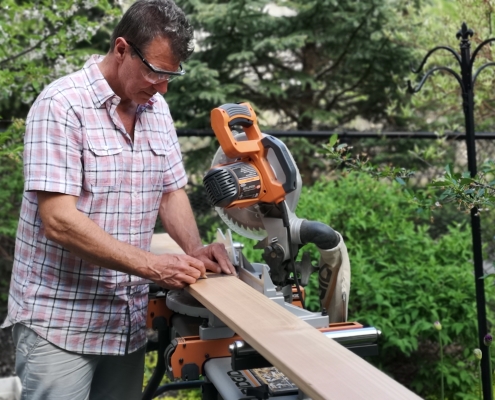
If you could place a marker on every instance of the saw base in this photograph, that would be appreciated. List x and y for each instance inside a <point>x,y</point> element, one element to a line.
<point>183,303</point>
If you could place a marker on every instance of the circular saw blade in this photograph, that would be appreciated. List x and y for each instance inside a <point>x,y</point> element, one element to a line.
<point>248,221</point>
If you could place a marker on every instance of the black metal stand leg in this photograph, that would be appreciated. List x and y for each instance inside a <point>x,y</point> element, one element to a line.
<point>209,391</point>
<point>159,324</point>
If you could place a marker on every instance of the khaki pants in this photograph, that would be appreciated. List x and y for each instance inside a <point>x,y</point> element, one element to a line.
<point>49,373</point>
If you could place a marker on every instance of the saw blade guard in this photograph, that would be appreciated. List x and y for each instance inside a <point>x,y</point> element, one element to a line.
<point>248,221</point>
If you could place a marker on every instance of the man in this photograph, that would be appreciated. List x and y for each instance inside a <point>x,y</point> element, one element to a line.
<point>102,160</point>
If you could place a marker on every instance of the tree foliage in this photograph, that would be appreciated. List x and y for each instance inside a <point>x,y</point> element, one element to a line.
<point>311,64</point>
<point>41,41</point>
<point>304,65</point>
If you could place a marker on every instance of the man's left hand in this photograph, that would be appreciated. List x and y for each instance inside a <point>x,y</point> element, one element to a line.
<point>215,258</point>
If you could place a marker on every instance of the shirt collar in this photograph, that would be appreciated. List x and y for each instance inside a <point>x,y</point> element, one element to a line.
<point>100,90</point>
<point>148,105</point>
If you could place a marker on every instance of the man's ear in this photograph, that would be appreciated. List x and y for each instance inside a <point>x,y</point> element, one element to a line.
<point>119,49</point>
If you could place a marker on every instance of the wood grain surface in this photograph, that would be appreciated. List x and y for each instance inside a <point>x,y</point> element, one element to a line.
<point>319,366</point>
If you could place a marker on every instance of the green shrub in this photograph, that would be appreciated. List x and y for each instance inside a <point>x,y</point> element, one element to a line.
<point>11,187</point>
<point>402,281</point>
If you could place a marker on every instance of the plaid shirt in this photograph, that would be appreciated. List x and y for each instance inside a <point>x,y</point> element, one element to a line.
<point>76,144</point>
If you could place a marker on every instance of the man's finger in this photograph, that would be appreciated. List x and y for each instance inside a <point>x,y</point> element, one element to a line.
<point>186,279</point>
<point>226,266</point>
<point>196,263</point>
<point>223,261</point>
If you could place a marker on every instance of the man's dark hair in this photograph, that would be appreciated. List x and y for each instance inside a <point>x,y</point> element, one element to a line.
<point>146,20</point>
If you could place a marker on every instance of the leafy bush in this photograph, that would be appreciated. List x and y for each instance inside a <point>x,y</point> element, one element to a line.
<point>402,281</point>
<point>11,186</point>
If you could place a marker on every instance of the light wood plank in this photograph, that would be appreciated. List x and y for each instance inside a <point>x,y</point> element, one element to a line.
<point>319,366</point>
<point>162,243</point>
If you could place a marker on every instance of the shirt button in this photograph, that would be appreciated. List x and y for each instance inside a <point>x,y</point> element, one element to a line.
<point>133,232</point>
<point>135,194</point>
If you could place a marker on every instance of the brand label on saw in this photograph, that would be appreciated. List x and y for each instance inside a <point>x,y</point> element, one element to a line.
<point>248,179</point>
<point>242,380</point>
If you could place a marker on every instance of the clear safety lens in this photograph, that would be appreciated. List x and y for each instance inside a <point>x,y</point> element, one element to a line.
<point>153,75</point>
<point>154,78</point>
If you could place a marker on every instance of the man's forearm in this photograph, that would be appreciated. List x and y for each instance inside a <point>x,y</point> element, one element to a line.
<point>67,226</point>
<point>179,222</point>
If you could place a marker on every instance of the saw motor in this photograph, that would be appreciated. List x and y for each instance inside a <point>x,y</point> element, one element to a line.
<point>249,179</point>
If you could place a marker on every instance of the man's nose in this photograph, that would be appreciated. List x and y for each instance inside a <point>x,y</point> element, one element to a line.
<point>161,87</point>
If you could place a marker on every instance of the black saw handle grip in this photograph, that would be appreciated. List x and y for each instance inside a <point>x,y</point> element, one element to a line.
<point>284,158</point>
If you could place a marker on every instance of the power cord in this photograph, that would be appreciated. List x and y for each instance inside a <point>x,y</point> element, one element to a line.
<point>285,219</point>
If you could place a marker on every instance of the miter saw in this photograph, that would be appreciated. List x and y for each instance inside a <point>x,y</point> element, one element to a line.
<point>254,185</point>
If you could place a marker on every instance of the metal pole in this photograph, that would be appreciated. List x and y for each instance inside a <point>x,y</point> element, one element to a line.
<point>466,81</point>
<point>468,107</point>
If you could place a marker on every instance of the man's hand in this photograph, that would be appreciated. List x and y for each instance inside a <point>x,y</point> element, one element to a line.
<point>178,220</point>
<point>215,258</point>
<point>176,271</point>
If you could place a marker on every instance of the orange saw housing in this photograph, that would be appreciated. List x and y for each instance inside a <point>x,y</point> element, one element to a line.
<point>250,178</point>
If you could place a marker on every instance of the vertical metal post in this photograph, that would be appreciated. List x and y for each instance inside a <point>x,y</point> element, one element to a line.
<point>467,81</point>
<point>468,107</point>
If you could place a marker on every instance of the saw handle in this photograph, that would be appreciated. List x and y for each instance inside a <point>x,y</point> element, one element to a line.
<point>253,151</point>
<point>228,115</point>
<point>285,160</point>
<point>239,114</point>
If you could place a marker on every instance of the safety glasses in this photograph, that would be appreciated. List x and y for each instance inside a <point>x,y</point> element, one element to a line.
<point>156,75</point>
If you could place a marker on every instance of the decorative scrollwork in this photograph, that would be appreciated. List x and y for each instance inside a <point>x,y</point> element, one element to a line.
<point>416,89</point>
<point>475,52</point>
<point>449,49</point>
<point>491,64</point>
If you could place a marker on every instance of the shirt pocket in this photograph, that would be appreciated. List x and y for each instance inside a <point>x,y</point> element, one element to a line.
<point>157,160</point>
<point>103,169</point>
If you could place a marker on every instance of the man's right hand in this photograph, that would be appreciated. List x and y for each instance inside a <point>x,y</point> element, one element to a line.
<point>176,271</point>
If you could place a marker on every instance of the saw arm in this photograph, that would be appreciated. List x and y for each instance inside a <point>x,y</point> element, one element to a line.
<point>247,204</point>
<point>333,266</point>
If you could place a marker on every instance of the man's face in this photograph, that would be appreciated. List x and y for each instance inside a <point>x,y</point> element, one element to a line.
<point>136,80</point>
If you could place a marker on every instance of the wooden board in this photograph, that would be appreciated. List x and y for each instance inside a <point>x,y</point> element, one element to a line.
<point>162,243</point>
<point>319,366</point>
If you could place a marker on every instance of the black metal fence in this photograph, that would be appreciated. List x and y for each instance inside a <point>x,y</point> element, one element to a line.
<point>350,134</point>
